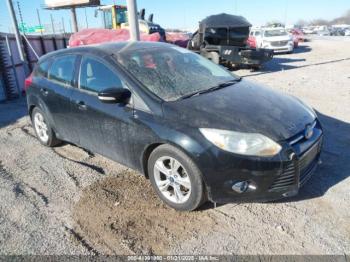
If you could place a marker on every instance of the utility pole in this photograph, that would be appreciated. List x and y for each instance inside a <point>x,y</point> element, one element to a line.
<point>286,14</point>
<point>70,25</point>
<point>20,17</point>
<point>86,20</point>
<point>133,20</point>
<point>39,20</point>
<point>52,25</point>
<point>63,27</point>
<point>18,36</point>
<point>74,19</point>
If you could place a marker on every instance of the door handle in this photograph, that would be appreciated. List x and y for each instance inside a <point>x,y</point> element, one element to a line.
<point>44,91</point>
<point>81,105</point>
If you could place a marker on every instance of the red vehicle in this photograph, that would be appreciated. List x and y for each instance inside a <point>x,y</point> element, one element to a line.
<point>251,41</point>
<point>298,36</point>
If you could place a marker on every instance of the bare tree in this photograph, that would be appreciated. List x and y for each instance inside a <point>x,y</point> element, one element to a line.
<point>302,23</point>
<point>320,21</point>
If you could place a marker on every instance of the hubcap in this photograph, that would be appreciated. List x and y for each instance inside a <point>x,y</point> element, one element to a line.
<point>41,127</point>
<point>172,179</point>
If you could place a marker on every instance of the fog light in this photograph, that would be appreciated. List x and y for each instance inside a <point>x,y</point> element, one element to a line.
<point>243,186</point>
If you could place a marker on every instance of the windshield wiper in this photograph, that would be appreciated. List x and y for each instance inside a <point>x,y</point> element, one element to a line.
<point>219,86</point>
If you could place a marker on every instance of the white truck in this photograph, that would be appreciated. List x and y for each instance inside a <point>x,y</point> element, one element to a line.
<point>274,38</point>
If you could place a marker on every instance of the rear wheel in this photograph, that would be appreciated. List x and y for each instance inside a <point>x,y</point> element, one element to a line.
<point>175,178</point>
<point>43,129</point>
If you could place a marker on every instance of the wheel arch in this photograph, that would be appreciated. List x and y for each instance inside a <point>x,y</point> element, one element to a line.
<point>146,154</point>
<point>33,102</point>
<point>150,148</point>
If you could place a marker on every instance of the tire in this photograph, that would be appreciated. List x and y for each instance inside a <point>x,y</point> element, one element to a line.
<point>43,130</point>
<point>186,172</point>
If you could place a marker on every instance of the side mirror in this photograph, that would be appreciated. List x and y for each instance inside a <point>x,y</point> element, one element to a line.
<point>114,96</point>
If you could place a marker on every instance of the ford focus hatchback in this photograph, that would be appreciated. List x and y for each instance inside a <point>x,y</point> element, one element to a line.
<point>197,131</point>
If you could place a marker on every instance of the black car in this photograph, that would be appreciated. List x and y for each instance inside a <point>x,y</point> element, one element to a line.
<point>196,130</point>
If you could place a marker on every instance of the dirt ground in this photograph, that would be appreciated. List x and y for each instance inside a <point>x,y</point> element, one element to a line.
<point>66,200</point>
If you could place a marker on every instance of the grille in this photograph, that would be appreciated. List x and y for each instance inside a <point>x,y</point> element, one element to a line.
<point>279,43</point>
<point>287,178</point>
<point>308,162</point>
<point>305,165</point>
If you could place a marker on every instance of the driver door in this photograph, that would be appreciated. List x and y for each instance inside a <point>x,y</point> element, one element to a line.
<point>103,128</point>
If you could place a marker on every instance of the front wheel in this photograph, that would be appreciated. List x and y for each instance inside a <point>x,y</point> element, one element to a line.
<point>175,178</point>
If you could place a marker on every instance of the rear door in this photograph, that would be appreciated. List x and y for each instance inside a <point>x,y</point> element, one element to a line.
<point>57,91</point>
<point>103,128</point>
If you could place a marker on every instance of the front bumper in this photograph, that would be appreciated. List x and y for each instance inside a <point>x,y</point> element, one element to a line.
<point>280,49</point>
<point>270,178</point>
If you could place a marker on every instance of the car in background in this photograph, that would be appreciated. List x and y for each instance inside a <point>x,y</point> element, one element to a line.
<point>347,32</point>
<point>337,31</point>
<point>325,32</point>
<point>276,39</point>
<point>308,30</point>
<point>193,128</point>
<point>298,36</point>
<point>251,41</point>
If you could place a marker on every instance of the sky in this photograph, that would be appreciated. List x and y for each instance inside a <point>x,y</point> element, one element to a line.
<point>185,14</point>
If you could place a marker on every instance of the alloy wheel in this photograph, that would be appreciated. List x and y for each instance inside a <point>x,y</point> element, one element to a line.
<point>172,179</point>
<point>41,127</point>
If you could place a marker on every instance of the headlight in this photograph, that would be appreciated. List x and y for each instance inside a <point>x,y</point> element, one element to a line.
<point>249,144</point>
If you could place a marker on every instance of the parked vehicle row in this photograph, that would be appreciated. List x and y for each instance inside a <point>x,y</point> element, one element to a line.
<point>342,30</point>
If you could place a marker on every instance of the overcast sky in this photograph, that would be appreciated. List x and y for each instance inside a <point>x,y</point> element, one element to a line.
<point>185,14</point>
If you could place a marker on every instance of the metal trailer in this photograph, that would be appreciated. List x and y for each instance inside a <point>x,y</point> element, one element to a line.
<point>12,69</point>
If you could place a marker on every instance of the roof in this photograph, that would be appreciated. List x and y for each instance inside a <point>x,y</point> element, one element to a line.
<point>224,20</point>
<point>108,48</point>
<point>273,28</point>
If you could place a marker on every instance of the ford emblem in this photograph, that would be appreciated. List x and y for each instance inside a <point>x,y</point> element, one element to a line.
<point>309,131</point>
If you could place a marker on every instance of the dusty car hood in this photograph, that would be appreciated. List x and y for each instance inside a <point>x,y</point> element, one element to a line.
<point>244,107</point>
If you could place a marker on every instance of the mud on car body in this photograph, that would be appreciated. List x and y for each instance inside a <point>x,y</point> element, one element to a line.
<point>195,129</point>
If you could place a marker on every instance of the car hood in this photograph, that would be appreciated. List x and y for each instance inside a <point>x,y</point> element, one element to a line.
<point>242,107</point>
<point>277,38</point>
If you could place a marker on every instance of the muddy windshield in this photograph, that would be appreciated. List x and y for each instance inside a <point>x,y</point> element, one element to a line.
<point>278,32</point>
<point>173,72</point>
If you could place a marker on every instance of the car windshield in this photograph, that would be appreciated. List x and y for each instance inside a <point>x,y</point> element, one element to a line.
<point>277,32</point>
<point>173,72</point>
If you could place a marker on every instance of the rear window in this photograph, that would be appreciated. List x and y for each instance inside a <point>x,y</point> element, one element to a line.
<point>62,69</point>
<point>216,36</point>
<point>42,68</point>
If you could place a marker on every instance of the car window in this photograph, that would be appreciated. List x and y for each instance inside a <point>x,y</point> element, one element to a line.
<point>275,32</point>
<point>216,36</point>
<point>42,68</point>
<point>95,76</point>
<point>257,33</point>
<point>171,73</point>
<point>62,69</point>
